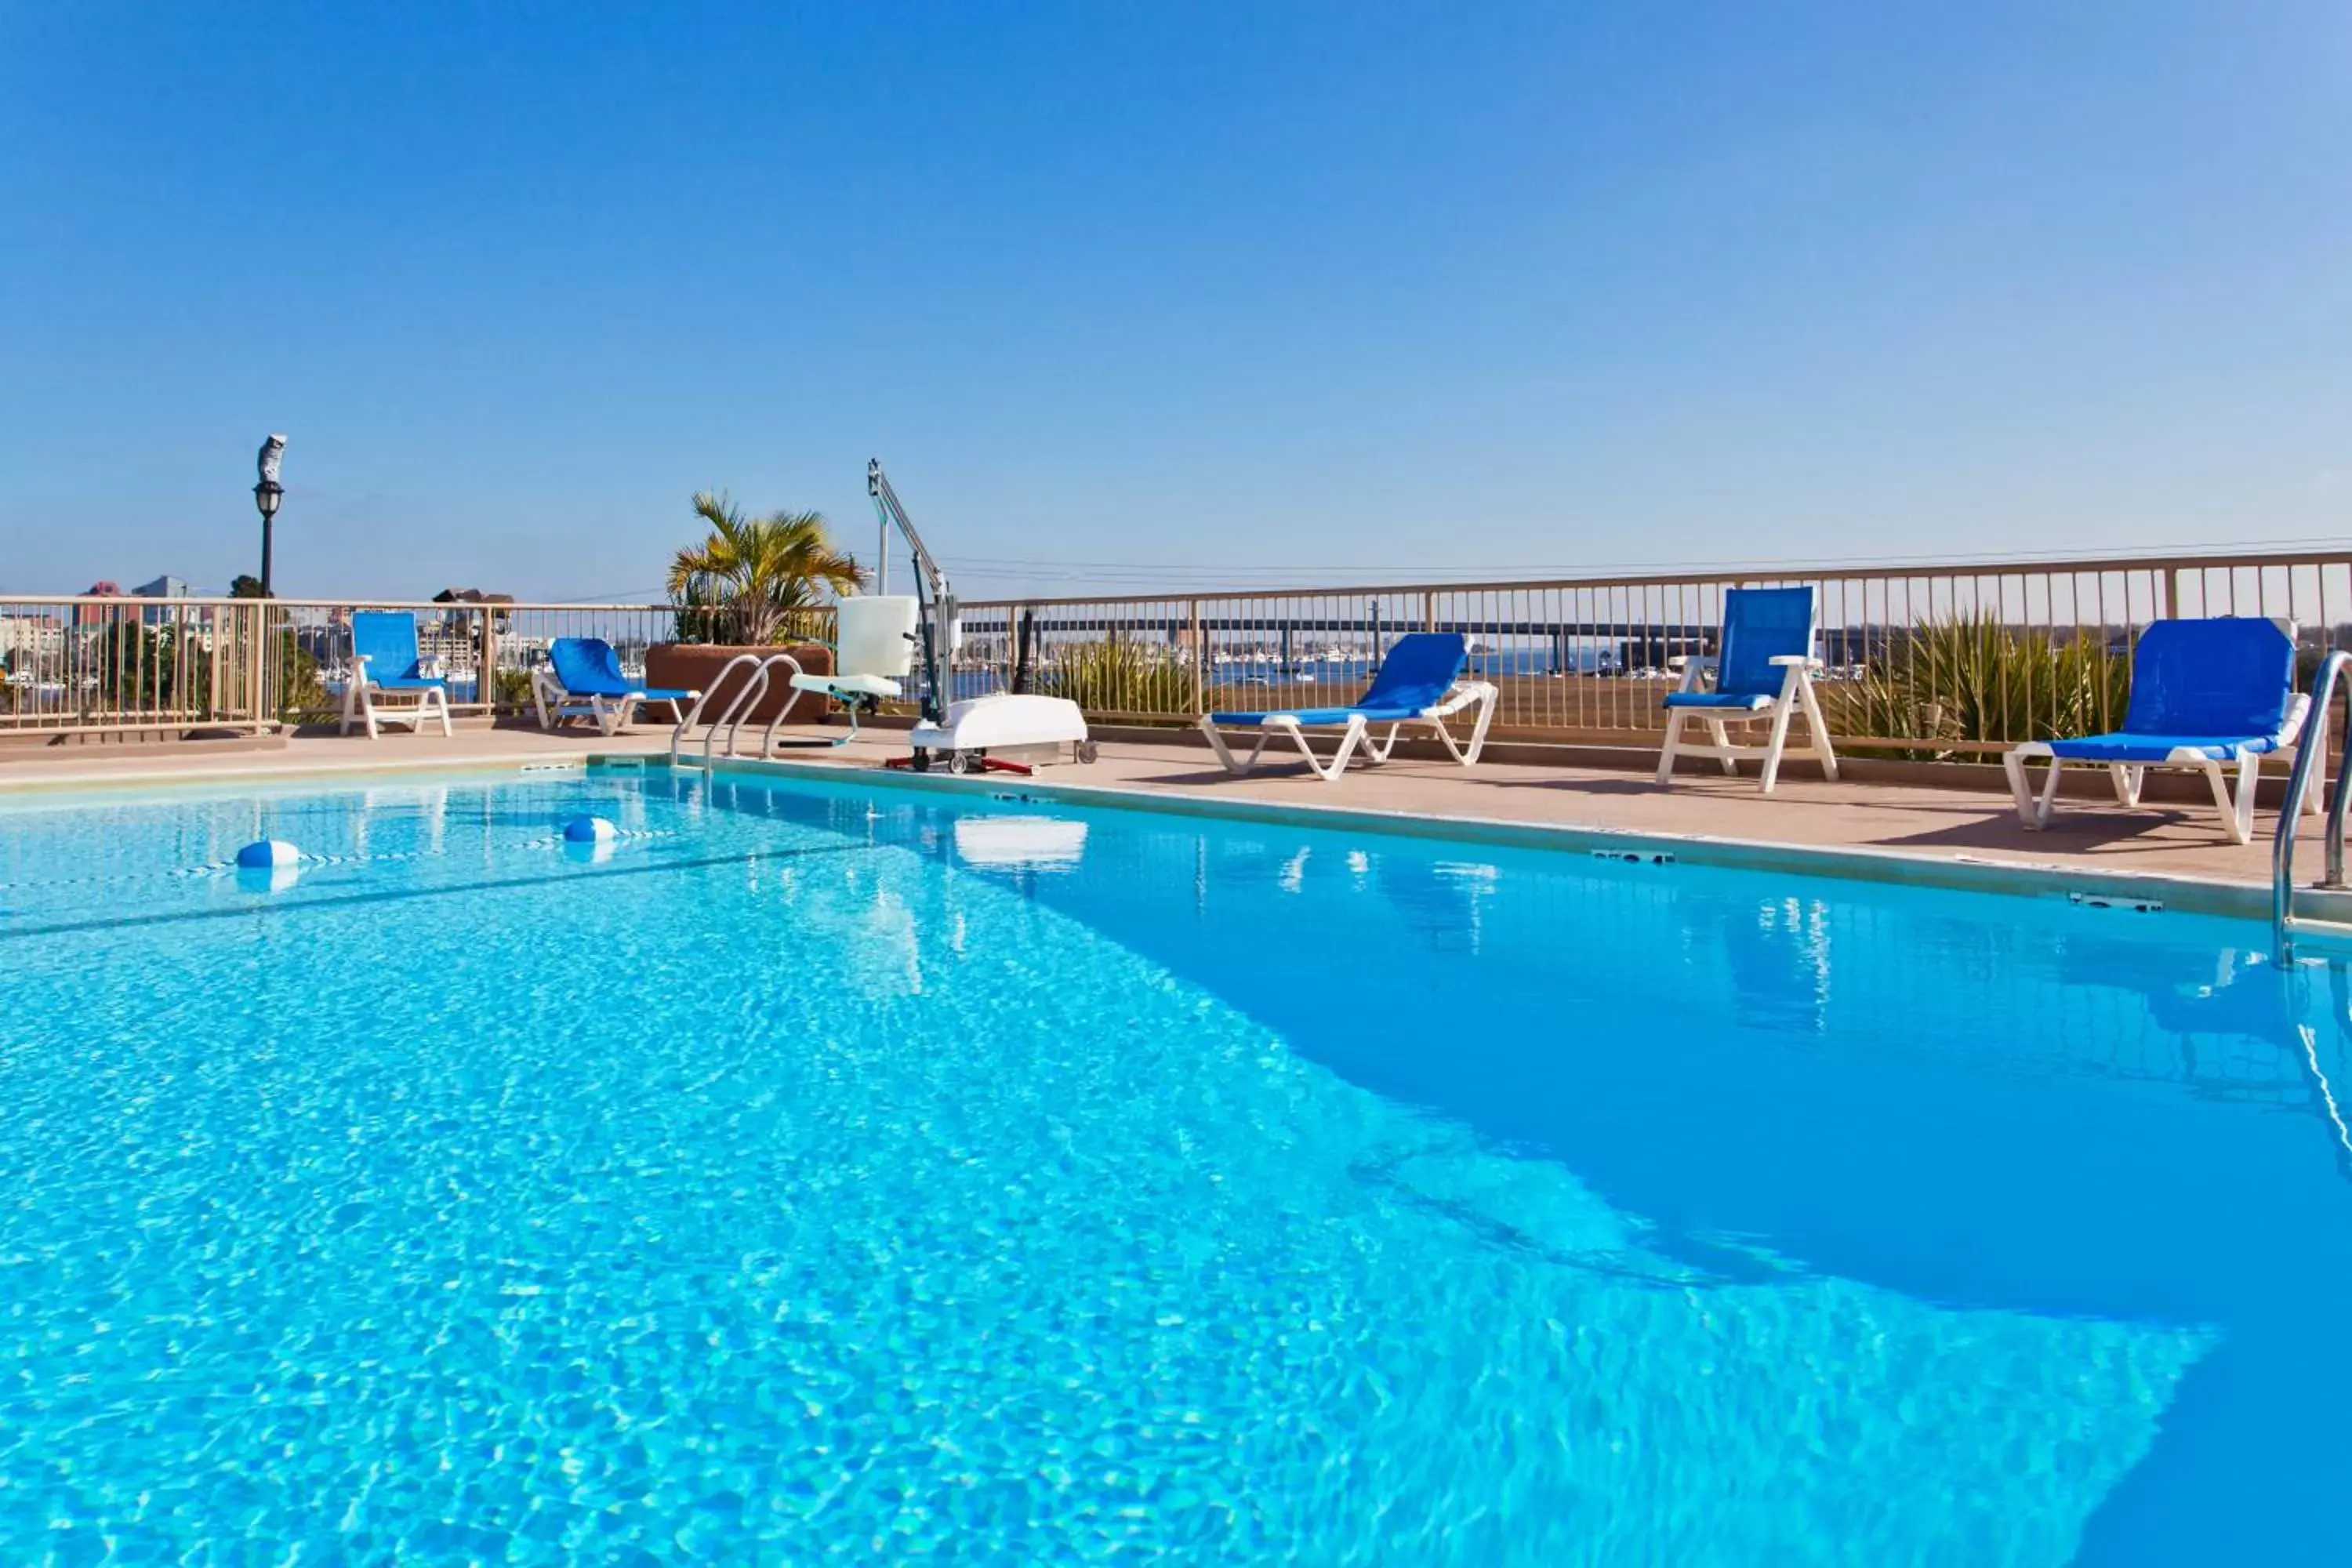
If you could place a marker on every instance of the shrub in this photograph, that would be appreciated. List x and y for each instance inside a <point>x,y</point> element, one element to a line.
<point>1975,678</point>
<point>1119,675</point>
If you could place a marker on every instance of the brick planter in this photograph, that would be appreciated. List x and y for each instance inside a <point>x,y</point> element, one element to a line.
<point>696,665</point>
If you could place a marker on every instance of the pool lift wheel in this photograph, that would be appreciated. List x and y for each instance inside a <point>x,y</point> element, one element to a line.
<point>959,736</point>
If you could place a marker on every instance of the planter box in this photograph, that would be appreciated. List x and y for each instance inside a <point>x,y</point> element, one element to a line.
<point>694,667</point>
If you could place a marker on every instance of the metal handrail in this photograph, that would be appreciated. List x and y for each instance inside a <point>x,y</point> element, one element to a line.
<point>755,686</point>
<point>2306,757</point>
<point>694,714</point>
<point>767,736</point>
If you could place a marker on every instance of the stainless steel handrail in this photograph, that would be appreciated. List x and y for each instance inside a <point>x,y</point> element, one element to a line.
<point>755,686</point>
<point>2306,757</point>
<point>694,714</point>
<point>767,736</point>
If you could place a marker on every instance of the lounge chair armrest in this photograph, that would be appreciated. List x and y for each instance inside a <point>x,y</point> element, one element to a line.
<point>1697,669</point>
<point>1784,660</point>
<point>1464,693</point>
<point>2298,711</point>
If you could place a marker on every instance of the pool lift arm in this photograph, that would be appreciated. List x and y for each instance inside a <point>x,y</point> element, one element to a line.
<point>939,619</point>
<point>964,735</point>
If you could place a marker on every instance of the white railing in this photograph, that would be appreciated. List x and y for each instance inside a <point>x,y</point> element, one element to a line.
<point>1952,661</point>
<point>1955,660</point>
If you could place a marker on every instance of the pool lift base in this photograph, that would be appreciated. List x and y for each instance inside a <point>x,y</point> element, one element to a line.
<point>971,735</point>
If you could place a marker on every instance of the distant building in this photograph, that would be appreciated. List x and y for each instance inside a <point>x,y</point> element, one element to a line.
<point>163,587</point>
<point>27,636</point>
<point>104,588</point>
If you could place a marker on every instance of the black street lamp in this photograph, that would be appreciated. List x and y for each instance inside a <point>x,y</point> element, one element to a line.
<point>266,494</point>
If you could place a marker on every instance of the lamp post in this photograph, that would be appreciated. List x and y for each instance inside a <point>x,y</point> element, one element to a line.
<point>267,493</point>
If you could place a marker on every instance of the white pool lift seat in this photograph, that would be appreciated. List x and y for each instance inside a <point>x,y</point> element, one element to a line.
<point>875,637</point>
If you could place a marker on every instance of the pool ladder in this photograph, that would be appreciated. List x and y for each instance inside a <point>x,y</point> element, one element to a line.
<point>762,671</point>
<point>2283,919</point>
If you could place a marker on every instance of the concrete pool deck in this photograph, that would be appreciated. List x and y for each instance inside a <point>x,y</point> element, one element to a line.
<point>1924,821</point>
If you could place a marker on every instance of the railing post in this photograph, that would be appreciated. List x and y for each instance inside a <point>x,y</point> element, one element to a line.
<point>256,660</point>
<point>213,696</point>
<point>1429,611</point>
<point>486,676</point>
<point>1200,664</point>
<point>2168,594</point>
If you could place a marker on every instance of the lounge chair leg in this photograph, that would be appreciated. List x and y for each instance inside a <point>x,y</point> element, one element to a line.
<point>1722,740</point>
<point>1354,737</point>
<point>1666,752</point>
<point>1478,731</point>
<point>2048,801</point>
<point>1778,739</point>
<point>2241,812</point>
<point>2021,794</point>
<point>2033,810</point>
<point>1216,743</point>
<point>1818,727</point>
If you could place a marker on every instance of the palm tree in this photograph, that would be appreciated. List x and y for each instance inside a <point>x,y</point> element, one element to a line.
<point>761,571</point>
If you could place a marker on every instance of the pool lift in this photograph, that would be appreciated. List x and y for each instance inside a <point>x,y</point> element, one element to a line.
<point>876,636</point>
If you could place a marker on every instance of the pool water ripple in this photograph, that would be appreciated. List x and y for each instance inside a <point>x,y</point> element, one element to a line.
<point>823,1192</point>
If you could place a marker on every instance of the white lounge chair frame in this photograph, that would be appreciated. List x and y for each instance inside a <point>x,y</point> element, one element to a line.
<point>1796,696</point>
<point>361,695</point>
<point>1355,734</point>
<point>2233,797</point>
<point>553,704</point>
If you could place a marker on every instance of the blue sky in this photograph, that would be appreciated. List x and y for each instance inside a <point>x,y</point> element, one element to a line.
<point>1128,295</point>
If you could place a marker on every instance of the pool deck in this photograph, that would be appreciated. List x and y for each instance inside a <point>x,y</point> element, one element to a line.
<point>1924,821</point>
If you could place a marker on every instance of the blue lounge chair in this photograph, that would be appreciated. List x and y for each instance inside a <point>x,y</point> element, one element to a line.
<point>1765,670</point>
<point>2203,693</point>
<point>385,663</point>
<point>583,680</point>
<point>1420,682</point>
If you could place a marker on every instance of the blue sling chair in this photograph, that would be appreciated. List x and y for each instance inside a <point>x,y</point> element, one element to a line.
<point>1764,671</point>
<point>2211,696</point>
<point>583,680</point>
<point>384,663</point>
<point>1420,682</point>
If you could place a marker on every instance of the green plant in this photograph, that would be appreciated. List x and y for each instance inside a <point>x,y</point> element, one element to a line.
<point>1119,675</point>
<point>1976,678</point>
<point>302,691</point>
<point>758,579</point>
<point>511,690</point>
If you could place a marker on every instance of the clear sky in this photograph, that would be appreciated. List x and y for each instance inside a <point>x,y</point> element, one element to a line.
<point>1184,292</point>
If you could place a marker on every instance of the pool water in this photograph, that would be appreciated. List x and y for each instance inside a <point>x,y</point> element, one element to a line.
<point>833,1170</point>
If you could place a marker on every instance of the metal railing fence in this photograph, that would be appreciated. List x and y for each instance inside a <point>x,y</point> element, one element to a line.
<point>1947,660</point>
<point>111,663</point>
<point>1950,660</point>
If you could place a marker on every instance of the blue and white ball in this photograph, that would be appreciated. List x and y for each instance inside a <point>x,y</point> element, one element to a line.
<point>590,830</point>
<point>267,866</point>
<point>267,855</point>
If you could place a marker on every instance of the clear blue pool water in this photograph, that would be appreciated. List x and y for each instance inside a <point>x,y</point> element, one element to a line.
<point>836,1172</point>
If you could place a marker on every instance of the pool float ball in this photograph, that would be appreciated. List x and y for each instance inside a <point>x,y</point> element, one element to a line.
<point>267,866</point>
<point>590,838</point>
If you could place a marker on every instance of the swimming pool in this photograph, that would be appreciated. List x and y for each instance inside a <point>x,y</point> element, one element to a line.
<point>841,1169</point>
